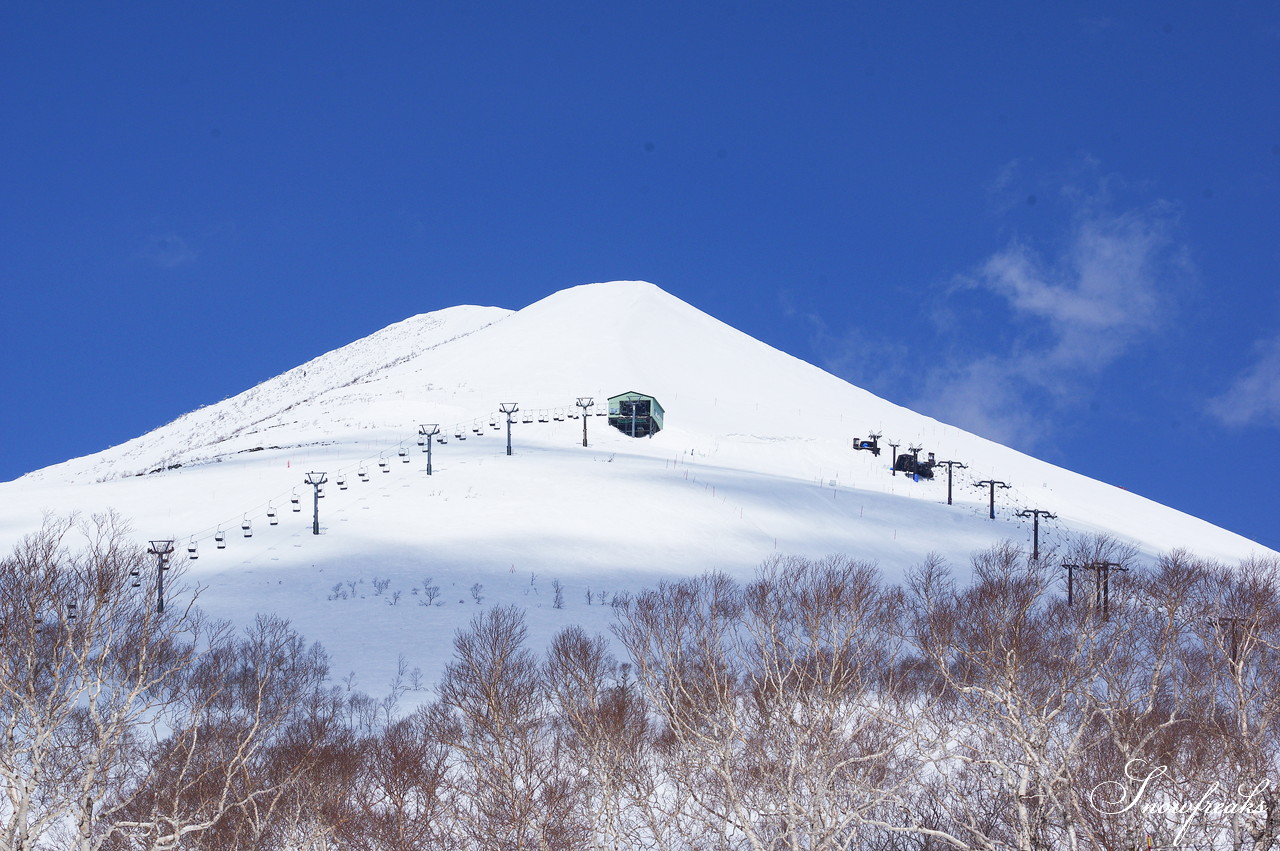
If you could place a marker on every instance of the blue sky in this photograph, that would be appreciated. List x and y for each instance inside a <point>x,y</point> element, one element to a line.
<point>1057,225</point>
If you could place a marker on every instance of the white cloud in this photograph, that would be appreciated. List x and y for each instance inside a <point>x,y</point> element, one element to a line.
<point>1028,333</point>
<point>1072,315</point>
<point>1254,397</point>
<point>987,396</point>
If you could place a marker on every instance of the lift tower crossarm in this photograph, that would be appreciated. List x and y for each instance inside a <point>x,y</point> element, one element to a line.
<point>1036,514</point>
<point>994,484</point>
<point>951,464</point>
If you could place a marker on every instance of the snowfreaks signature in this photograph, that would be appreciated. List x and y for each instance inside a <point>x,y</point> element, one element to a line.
<point>1214,802</point>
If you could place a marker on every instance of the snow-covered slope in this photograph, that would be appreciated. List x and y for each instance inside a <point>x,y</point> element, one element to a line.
<point>755,459</point>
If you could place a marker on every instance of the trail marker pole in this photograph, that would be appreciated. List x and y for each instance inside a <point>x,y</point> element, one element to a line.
<point>585,402</point>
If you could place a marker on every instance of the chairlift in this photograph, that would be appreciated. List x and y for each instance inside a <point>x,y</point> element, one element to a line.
<point>271,515</point>
<point>297,503</point>
<point>527,420</point>
<point>364,473</point>
<point>137,577</point>
<point>319,491</point>
<point>475,428</point>
<point>542,418</point>
<point>382,465</point>
<point>558,417</point>
<point>342,483</point>
<point>71,611</point>
<point>573,416</point>
<point>422,441</point>
<point>247,528</point>
<point>493,423</point>
<point>404,455</point>
<point>221,538</point>
<point>442,439</point>
<point>193,552</point>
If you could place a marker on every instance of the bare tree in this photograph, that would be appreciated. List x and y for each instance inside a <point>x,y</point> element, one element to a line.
<point>515,793</point>
<point>1018,668</point>
<point>231,721</point>
<point>609,744</point>
<point>87,666</point>
<point>780,728</point>
<point>401,797</point>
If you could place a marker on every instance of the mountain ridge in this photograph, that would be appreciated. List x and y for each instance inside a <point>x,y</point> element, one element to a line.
<point>755,459</point>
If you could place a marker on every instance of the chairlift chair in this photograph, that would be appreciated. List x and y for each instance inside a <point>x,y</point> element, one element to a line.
<point>297,503</point>
<point>442,439</point>
<point>221,538</point>
<point>193,551</point>
<point>404,455</point>
<point>527,420</point>
<point>271,515</point>
<point>363,473</point>
<point>342,483</point>
<point>493,423</point>
<point>137,577</point>
<point>382,465</point>
<point>247,528</point>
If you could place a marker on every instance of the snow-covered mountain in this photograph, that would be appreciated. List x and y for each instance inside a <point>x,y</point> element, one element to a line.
<point>755,458</point>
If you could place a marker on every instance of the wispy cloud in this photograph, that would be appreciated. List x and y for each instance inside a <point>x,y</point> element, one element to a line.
<point>1112,283</point>
<point>1026,333</point>
<point>168,251</point>
<point>1254,397</point>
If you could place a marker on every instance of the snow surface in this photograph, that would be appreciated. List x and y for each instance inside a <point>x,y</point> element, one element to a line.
<point>755,459</point>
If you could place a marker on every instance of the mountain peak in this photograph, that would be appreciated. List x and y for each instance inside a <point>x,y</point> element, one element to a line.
<point>725,395</point>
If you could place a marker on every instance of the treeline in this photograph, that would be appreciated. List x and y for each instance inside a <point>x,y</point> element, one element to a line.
<point>816,707</point>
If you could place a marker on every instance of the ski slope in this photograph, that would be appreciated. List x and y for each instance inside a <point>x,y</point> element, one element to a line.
<point>755,459</point>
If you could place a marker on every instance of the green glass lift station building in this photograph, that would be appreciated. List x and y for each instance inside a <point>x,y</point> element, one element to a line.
<point>635,414</point>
